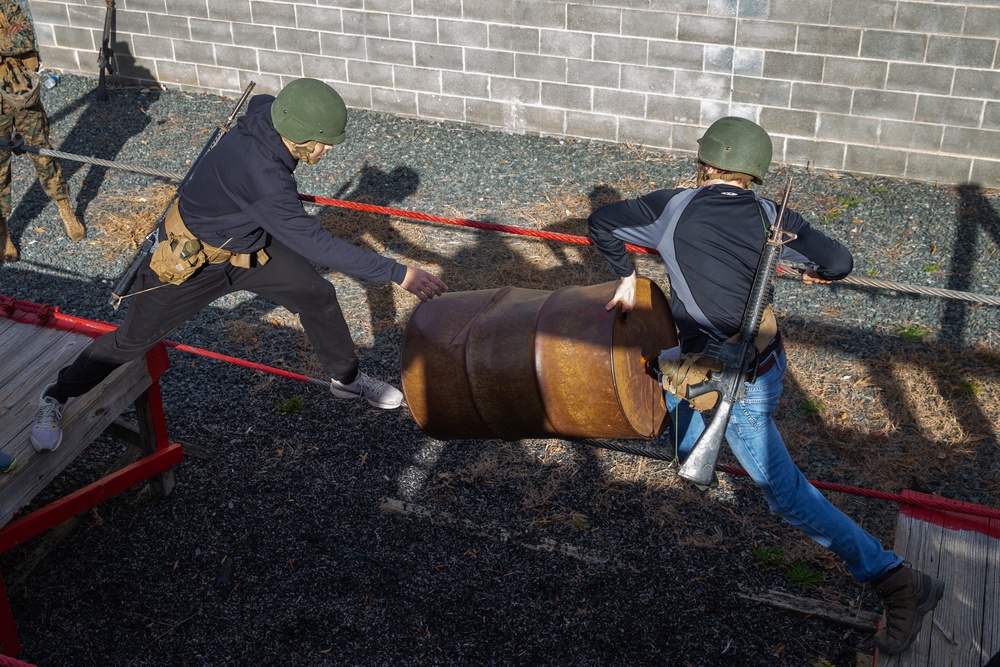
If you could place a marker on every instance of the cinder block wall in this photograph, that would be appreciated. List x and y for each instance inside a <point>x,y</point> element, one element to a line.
<point>893,87</point>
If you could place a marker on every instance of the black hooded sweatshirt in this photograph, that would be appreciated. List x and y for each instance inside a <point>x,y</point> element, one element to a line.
<point>243,193</point>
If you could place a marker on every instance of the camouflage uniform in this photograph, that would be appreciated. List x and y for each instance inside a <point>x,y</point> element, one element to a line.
<point>18,50</point>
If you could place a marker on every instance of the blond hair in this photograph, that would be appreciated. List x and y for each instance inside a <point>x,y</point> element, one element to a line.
<point>703,175</point>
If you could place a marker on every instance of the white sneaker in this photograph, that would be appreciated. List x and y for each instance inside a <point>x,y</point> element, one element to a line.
<point>380,394</point>
<point>46,430</point>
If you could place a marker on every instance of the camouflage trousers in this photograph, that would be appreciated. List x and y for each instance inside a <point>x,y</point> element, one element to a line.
<point>33,126</point>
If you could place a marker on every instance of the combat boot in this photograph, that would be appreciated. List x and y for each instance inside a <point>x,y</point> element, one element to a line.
<point>907,596</point>
<point>74,227</point>
<point>9,249</point>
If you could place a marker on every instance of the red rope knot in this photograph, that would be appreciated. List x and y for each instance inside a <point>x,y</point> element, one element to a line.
<point>26,311</point>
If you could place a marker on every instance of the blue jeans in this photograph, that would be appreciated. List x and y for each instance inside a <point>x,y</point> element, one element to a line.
<point>754,439</point>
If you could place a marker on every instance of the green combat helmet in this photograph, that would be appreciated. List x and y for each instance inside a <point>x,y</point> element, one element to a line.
<point>309,110</point>
<point>736,145</point>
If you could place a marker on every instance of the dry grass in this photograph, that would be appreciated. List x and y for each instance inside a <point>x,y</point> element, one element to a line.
<point>899,419</point>
<point>124,221</point>
<point>242,334</point>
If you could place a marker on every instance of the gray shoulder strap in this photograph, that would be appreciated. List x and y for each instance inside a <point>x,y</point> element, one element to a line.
<point>678,283</point>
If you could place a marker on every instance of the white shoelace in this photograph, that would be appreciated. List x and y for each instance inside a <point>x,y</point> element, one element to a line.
<point>370,384</point>
<point>49,414</point>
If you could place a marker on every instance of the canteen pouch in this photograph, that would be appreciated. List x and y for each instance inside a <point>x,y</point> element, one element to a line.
<point>19,82</point>
<point>677,373</point>
<point>177,259</point>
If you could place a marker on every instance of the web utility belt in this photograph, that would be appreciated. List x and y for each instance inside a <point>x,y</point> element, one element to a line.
<point>181,255</point>
<point>679,371</point>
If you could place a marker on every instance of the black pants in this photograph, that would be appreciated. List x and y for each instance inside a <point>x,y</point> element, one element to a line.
<point>288,279</point>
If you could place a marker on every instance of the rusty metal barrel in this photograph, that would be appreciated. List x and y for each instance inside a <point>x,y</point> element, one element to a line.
<point>514,363</point>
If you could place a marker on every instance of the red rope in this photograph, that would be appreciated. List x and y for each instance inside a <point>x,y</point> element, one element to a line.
<point>44,313</point>
<point>944,505</point>
<point>244,363</point>
<point>32,313</point>
<point>463,222</point>
<point>7,661</point>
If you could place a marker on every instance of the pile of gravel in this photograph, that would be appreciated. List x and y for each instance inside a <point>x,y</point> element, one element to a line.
<point>339,534</point>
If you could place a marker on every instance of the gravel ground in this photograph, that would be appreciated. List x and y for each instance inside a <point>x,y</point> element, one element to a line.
<point>276,546</point>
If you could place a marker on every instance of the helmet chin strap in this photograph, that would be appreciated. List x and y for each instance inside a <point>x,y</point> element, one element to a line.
<point>301,151</point>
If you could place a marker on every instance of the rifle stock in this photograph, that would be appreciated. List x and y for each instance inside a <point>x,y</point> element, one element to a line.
<point>736,357</point>
<point>120,292</point>
<point>699,466</point>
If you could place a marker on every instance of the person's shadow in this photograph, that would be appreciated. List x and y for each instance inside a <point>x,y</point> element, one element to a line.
<point>973,216</point>
<point>101,131</point>
<point>598,196</point>
<point>377,187</point>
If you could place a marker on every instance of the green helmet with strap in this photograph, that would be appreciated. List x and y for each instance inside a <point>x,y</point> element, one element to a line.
<point>309,110</point>
<point>736,144</point>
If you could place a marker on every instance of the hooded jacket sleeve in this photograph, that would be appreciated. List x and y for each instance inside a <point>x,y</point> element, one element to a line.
<point>304,234</point>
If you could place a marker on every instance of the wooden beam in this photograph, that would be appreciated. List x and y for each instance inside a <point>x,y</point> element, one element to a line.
<point>855,618</point>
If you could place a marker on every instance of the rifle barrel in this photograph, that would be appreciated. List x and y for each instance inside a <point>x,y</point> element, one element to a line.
<point>105,52</point>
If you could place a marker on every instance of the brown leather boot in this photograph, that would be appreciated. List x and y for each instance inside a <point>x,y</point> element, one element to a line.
<point>74,227</point>
<point>9,249</point>
<point>907,595</point>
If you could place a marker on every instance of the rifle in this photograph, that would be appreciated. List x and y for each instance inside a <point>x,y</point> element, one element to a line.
<point>736,357</point>
<point>120,292</point>
<point>106,52</point>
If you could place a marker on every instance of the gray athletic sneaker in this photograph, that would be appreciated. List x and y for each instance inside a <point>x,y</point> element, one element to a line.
<point>46,430</point>
<point>378,393</point>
